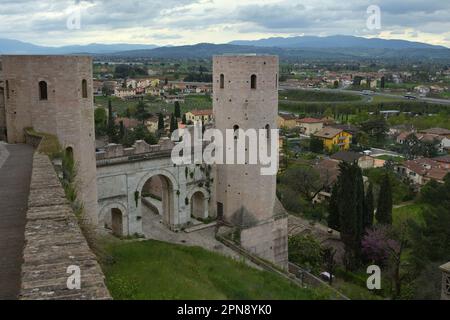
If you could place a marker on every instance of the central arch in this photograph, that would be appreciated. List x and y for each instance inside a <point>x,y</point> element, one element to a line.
<point>158,196</point>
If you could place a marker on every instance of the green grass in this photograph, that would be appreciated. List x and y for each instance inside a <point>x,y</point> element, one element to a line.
<point>388,157</point>
<point>317,96</point>
<point>411,211</point>
<point>158,270</point>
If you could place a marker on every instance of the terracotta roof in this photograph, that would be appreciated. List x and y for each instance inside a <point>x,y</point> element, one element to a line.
<point>438,131</point>
<point>128,122</point>
<point>204,112</point>
<point>437,174</point>
<point>346,156</point>
<point>287,116</point>
<point>309,120</point>
<point>328,170</point>
<point>445,159</point>
<point>328,132</point>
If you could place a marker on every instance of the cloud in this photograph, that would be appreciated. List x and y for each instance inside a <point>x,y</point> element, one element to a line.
<point>189,21</point>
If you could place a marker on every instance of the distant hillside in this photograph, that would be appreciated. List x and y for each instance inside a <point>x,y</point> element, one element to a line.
<point>335,42</point>
<point>8,46</point>
<point>206,50</point>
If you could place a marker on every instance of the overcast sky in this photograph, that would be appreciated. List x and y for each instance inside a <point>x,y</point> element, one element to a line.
<point>178,22</point>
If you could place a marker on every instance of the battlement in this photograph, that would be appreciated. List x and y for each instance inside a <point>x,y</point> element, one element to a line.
<point>114,150</point>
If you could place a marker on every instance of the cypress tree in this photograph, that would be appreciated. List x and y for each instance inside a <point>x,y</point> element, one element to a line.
<point>369,208</point>
<point>384,208</point>
<point>173,123</point>
<point>111,125</point>
<point>333,208</point>
<point>177,110</point>
<point>161,122</point>
<point>183,119</point>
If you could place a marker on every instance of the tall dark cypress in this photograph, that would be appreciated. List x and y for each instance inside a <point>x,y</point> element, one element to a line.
<point>384,208</point>
<point>369,208</point>
<point>333,208</point>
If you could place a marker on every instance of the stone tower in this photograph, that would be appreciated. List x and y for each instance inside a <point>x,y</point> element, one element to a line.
<point>53,94</point>
<point>246,97</point>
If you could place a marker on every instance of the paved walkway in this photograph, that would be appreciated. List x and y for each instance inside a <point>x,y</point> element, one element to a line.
<point>15,173</point>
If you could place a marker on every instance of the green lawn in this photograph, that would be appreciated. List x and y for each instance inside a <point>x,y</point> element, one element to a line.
<point>412,211</point>
<point>158,270</point>
<point>318,96</point>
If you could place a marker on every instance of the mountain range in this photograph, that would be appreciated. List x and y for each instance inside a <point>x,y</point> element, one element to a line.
<point>303,47</point>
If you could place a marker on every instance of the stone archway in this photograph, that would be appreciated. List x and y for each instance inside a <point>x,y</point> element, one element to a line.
<point>113,217</point>
<point>198,205</point>
<point>158,197</point>
<point>198,202</point>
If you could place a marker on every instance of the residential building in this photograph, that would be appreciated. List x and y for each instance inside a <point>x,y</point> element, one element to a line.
<point>364,161</point>
<point>310,126</point>
<point>421,171</point>
<point>205,115</point>
<point>286,120</point>
<point>334,138</point>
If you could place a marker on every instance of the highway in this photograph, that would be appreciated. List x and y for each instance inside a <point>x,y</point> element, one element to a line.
<point>381,94</point>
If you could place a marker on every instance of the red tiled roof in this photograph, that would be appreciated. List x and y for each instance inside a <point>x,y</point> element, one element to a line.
<point>309,120</point>
<point>204,112</point>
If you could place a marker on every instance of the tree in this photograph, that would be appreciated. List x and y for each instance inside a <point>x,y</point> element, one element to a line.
<point>305,251</point>
<point>304,180</point>
<point>333,208</point>
<point>173,123</point>
<point>177,110</point>
<point>315,145</point>
<point>101,120</point>
<point>183,119</point>
<point>112,128</point>
<point>369,208</point>
<point>384,208</point>
<point>141,112</point>
<point>350,197</point>
<point>161,125</point>
<point>141,133</point>
<point>382,82</point>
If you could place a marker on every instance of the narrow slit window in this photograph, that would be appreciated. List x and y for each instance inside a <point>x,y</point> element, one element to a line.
<point>253,81</point>
<point>7,89</point>
<point>43,90</point>
<point>222,81</point>
<point>84,90</point>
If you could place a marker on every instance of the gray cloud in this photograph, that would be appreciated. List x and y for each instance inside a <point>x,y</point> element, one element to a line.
<point>35,21</point>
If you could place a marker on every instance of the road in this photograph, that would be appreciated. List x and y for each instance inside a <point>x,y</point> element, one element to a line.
<point>380,94</point>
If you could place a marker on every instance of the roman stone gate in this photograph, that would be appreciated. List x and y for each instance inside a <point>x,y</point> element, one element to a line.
<point>141,182</point>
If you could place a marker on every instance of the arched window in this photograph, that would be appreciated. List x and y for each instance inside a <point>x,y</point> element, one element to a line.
<point>253,81</point>
<point>43,90</point>
<point>222,81</point>
<point>7,89</point>
<point>84,90</point>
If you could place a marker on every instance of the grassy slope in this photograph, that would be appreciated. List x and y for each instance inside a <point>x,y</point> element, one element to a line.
<point>157,270</point>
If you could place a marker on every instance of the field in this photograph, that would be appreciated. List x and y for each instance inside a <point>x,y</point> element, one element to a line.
<point>410,211</point>
<point>154,105</point>
<point>317,96</point>
<point>158,270</point>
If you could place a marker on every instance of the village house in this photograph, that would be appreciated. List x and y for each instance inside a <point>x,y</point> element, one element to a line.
<point>286,120</point>
<point>205,116</point>
<point>128,123</point>
<point>421,171</point>
<point>173,98</point>
<point>310,126</point>
<point>334,138</point>
<point>444,161</point>
<point>364,161</point>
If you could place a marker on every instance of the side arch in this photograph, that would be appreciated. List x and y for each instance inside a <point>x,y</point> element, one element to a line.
<point>107,209</point>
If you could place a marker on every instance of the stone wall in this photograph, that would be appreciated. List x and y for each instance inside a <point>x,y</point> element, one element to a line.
<point>54,241</point>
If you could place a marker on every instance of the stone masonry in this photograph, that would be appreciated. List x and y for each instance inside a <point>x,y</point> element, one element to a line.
<point>54,241</point>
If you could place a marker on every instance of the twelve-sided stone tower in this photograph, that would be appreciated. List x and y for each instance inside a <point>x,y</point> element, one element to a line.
<point>246,97</point>
<point>53,94</point>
